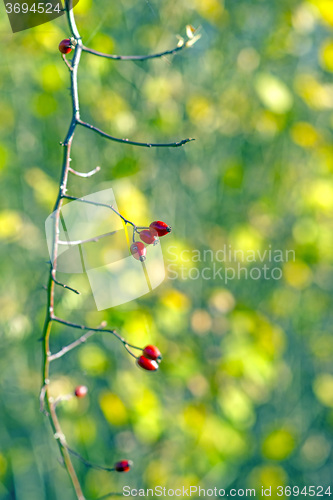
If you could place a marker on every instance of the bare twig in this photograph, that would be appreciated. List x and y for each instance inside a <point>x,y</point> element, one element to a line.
<point>90,240</point>
<point>192,36</point>
<point>134,143</point>
<point>101,330</point>
<point>98,204</point>
<point>65,286</point>
<point>83,174</point>
<point>42,400</point>
<point>134,57</point>
<point>89,464</point>
<point>60,399</point>
<point>71,346</point>
<point>67,63</point>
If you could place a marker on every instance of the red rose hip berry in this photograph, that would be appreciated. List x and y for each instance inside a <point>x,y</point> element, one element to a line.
<point>147,364</point>
<point>81,391</point>
<point>65,46</point>
<point>123,466</point>
<point>160,227</point>
<point>139,251</point>
<point>152,352</point>
<point>149,236</point>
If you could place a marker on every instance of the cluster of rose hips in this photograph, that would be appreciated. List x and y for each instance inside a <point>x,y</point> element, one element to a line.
<point>150,358</point>
<point>149,236</point>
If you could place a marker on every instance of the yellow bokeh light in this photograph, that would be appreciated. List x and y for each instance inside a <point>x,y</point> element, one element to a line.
<point>319,194</point>
<point>297,274</point>
<point>323,389</point>
<point>210,9</point>
<point>304,134</point>
<point>10,224</point>
<point>113,408</point>
<point>326,55</point>
<point>93,359</point>
<point>273,93</point>
<point>237,406</point>
<point>278,445</point>
<point>325,8</point>
<point>268,476</point>
<point>200,109</point>
<point>85,430</point>
<point>174,299</point>
<point>245,240</point>
<point>315,94</point>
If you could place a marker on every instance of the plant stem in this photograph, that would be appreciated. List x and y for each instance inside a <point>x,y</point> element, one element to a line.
<point>58,434</point>
<point>48,405</point>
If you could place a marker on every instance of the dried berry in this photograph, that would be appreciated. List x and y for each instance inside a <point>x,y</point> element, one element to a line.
<point>147,364</point>
<point>152,352</point>
<point>162,228</point>
<point>65,46</point>
<point>149,236</point>
<point>139,251</point>
<point>123,466</point>
<point>81,391</point>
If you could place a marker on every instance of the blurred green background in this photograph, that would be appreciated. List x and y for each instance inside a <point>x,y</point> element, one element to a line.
<point>244,395</point>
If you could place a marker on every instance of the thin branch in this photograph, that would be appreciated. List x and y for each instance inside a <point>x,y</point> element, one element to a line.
<point>89,464</point>
<point>90,240</point>
<point>98,204</point>
<point>60,399</point>
<point>135,58</point>
<point>42,400</point>
<point>134,143</point>
<point>65,286</point>
<point>83,327</point>
<point>122,217</point>
<point>67,63</point>
<point>192,36</point>
<point>83,174</point>
<point>101,330</point>
<point>71,346</point>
